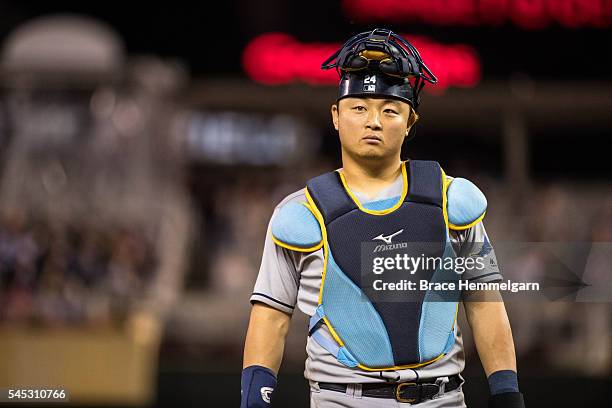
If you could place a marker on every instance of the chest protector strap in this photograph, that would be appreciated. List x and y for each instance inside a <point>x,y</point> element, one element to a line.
<point>382,335</point>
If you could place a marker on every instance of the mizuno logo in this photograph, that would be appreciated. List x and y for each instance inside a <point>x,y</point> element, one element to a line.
<point>387,239</point>
<point>266,392</point>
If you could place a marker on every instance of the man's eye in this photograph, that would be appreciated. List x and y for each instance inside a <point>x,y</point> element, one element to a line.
<point>390,111</point>
<point>359,108</point>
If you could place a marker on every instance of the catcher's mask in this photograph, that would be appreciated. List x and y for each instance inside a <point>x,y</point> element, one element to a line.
<point>380,62</point>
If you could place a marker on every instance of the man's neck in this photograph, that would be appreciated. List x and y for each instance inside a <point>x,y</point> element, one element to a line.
<point>370,176</point>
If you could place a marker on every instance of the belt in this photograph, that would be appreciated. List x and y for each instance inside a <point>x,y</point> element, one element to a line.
<point>412,392</point>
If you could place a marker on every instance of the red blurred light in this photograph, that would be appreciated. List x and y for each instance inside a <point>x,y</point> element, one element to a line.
<point>528,14</point>
<point>277,58</point>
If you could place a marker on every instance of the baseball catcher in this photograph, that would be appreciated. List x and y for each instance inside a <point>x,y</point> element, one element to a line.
<point>352,250</point>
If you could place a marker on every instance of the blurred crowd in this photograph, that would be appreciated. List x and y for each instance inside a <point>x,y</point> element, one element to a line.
<point>240,212</point>
<point>56,273</point>
<point>571,329</point>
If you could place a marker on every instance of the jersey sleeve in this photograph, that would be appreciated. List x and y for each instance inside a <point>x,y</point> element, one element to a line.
<point>278,279</point>
<point>474,243</point>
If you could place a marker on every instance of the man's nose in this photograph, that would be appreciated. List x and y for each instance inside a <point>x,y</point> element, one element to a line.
<point>373,120</point>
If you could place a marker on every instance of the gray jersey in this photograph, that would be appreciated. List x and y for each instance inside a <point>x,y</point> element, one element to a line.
<point>289,278</point>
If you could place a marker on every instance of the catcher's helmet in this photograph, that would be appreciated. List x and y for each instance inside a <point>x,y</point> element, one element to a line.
<point>380,62</point>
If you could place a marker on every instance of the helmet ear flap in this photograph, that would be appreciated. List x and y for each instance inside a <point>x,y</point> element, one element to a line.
<point>355,62</point>
<point>412,67</point>
<point>409,66</point>
<point>389,67</point>
<point>403,67</point>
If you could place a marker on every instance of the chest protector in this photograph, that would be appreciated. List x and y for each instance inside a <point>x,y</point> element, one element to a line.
<point>370,332</point>
<point>387,335</point>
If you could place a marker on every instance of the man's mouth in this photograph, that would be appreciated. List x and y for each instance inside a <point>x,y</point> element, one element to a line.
<point>372,138</point>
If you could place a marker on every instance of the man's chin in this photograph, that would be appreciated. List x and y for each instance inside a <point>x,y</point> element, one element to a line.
<point>371,154</point>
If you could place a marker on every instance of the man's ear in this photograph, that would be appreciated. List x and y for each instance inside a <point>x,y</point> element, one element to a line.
<point>412,118</point>
<point>334,112</point>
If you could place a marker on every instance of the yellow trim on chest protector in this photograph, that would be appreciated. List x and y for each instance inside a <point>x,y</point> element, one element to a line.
<point>377,212</point>
<point>294,248</point>
<point>295,228</point>
<point>467,226</point>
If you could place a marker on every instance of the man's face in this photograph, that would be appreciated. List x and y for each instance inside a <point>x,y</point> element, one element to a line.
<point>371,127</point>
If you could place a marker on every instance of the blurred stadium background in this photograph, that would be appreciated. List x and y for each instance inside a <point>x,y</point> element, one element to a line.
<point>143,149</point>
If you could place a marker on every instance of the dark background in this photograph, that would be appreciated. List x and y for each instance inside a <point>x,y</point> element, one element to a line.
<point>210,37</point>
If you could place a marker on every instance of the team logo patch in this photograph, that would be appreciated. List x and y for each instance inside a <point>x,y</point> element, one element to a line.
<point>485,249</point>
<point>266,392</point>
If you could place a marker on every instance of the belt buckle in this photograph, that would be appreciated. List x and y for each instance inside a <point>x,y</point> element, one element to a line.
<point>398,391</point>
